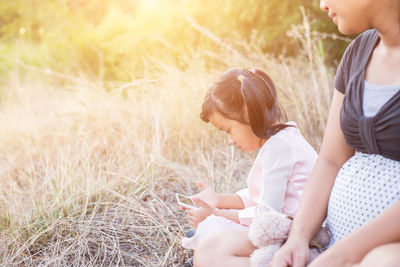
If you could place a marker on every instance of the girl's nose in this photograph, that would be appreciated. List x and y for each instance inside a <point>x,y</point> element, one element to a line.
<point>230,140</point>
<point>323,6</point>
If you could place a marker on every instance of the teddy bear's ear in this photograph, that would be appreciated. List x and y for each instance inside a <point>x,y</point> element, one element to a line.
<point>321,239</point>
<point>315,244</point>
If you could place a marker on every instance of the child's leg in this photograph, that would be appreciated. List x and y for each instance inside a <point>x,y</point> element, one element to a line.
<point>210,226</point>
<point>231,248</point>
<point>383,256</point>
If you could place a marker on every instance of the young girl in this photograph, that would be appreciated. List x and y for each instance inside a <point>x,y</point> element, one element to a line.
<point>355,184</point>
<point>243,103</point>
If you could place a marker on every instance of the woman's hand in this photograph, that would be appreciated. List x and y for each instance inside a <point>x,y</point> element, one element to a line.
<point>294,253</point>
<point>207,194</point>
<point>197,215</point>
<point>336,256</point>
<point>329,260</point>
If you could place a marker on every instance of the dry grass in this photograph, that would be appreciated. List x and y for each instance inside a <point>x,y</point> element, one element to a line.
<point>87,175</point>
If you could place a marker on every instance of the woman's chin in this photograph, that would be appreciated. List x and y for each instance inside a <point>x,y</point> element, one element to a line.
<point>349,30</point>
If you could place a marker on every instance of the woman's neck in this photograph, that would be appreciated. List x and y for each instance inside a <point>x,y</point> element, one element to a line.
<point>390,39</point>
<point>384,64</point>
<point>388,26</point>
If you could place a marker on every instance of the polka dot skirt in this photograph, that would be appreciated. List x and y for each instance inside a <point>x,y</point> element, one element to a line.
<point>366,185</point>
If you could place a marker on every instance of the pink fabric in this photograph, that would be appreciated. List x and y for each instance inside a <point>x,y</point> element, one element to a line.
<point>296,158</point>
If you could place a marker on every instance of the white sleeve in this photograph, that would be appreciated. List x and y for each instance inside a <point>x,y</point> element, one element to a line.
<point>277,162</point>
<point>244,195</point>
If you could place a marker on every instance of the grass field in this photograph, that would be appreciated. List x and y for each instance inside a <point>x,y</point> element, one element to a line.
<point>88,168</point>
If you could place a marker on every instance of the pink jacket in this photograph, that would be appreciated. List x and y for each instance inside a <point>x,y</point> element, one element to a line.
<point>278,176</point>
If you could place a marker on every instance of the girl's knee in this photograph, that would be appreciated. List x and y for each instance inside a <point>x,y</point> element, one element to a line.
<point>222,248</point>
<point>206,251</point>
<point>383,256</point>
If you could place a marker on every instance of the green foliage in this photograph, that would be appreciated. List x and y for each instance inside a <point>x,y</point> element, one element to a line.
<point>116,40</point>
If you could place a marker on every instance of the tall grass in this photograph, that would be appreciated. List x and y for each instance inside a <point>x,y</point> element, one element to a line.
<point>88,175</point>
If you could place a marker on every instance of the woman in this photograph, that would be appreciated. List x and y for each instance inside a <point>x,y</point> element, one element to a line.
<point>355,184</point>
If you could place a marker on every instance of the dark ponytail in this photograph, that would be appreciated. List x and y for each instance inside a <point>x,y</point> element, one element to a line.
<point>265,113</point>
<point>248,97</point>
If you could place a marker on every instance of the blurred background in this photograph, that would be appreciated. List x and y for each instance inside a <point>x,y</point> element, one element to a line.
<point>118,40</point>
<point>99,115</point>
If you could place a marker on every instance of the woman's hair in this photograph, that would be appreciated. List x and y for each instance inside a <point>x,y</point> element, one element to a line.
<point>246,96</point>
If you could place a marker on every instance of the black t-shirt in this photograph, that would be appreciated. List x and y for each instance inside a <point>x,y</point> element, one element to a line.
<point>379,134</point>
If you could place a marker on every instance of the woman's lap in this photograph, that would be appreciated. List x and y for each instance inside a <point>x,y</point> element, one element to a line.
<point>383,256</point>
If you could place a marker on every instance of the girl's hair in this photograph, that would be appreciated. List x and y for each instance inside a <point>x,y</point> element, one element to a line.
<point>246,96</point>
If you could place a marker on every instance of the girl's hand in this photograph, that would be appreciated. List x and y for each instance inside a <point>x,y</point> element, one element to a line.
<point>197,215</point>
<point>294,253</point>
<point>207,194</point>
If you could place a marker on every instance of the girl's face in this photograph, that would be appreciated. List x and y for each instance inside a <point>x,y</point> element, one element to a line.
<point>351,16</point>
<point>240,134</point>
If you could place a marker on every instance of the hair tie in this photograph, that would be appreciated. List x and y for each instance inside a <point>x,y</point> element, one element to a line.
<point>240,78</point>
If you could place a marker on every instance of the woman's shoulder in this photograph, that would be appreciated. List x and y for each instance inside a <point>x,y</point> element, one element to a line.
<point>354,58</point>
<point>362,43</point>
<point>366,36</point>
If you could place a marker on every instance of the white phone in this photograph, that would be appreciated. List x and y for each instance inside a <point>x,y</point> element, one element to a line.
<point>185,202</point>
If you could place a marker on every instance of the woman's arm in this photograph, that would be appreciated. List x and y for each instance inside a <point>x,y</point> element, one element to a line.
<point>313,206</point>
<point>333,154</point>
<point>351,249</point>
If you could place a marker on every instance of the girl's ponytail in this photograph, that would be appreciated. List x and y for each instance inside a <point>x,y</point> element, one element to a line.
<point>264,112</point>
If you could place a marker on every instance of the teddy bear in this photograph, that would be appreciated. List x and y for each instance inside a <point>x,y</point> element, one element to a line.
<point>270,230</point>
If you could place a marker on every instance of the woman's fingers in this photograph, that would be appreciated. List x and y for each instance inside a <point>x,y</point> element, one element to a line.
<point>288,255</point>
<point>278,262</point>
<point>300,259</point>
